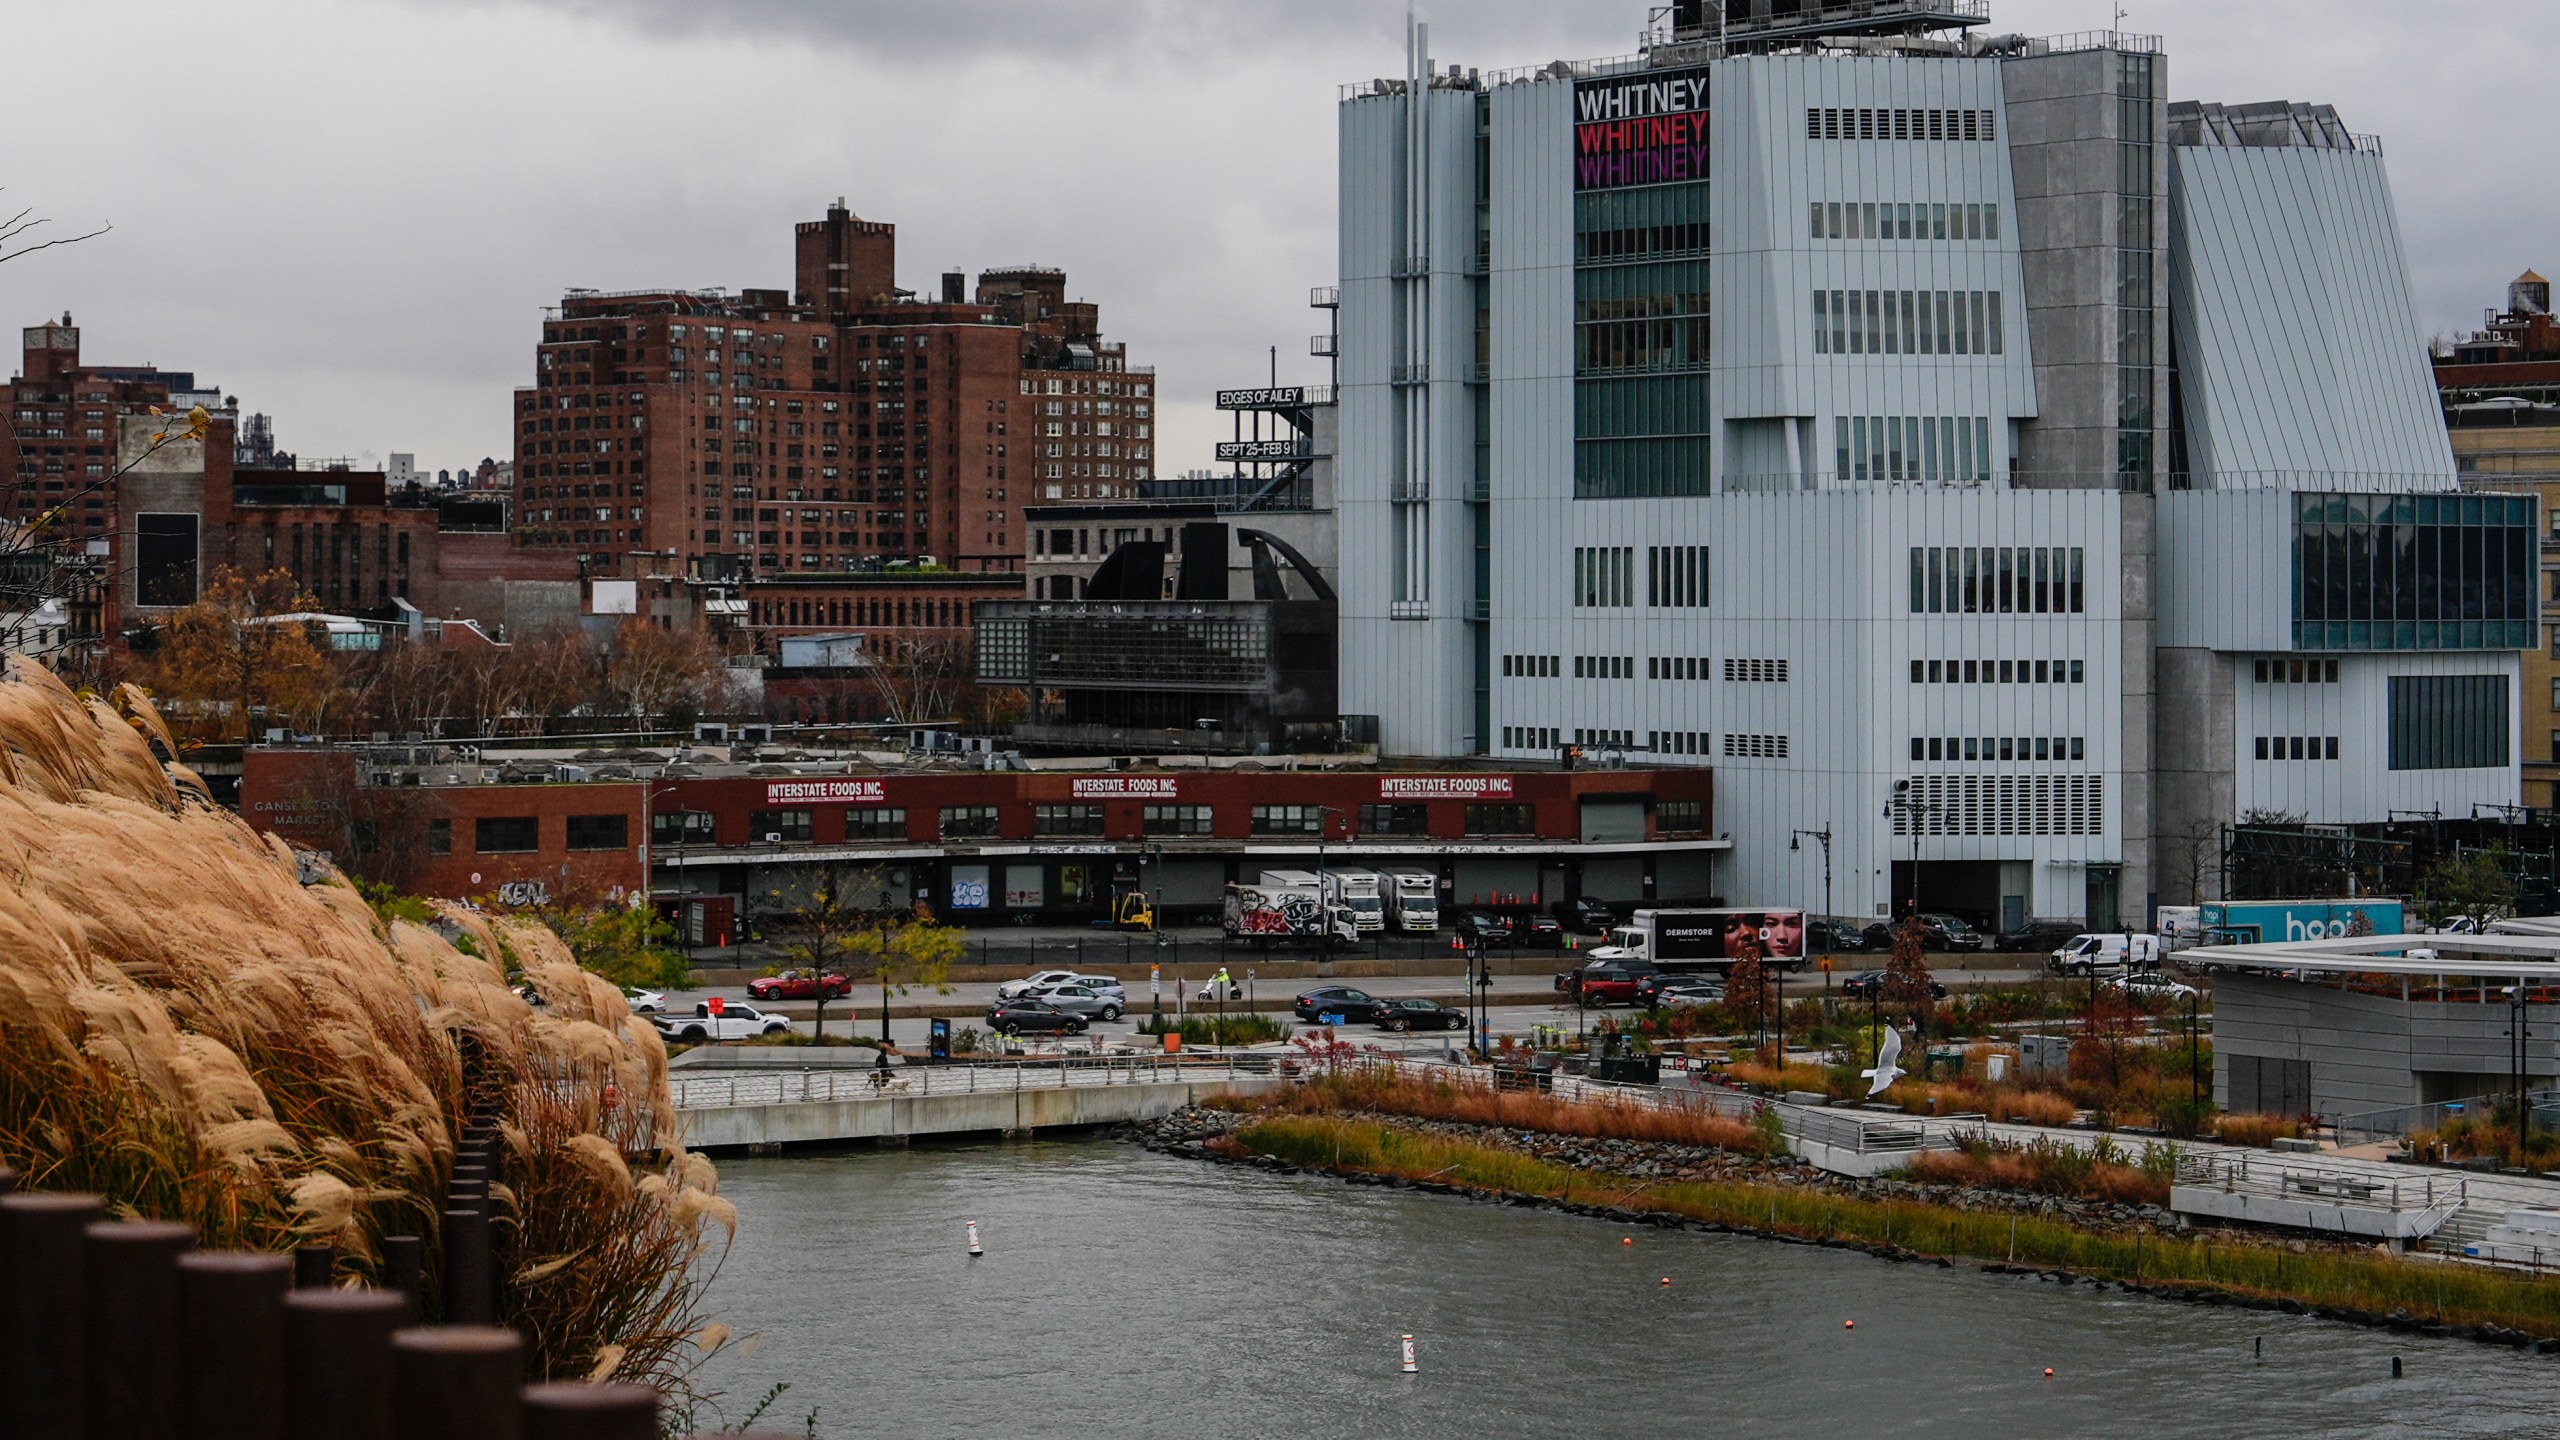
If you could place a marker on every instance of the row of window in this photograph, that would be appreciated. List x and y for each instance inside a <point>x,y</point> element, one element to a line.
<point>1854,220</point>
<point>1999,747</point>
<point>2297,747</point>
<point>1998,672</point>
<point>1676,577</point>
<point>1882,123</point>
<point>1613,739</point>
<point>1908,322</point>
<point>2297,672</point>
<point>1913,447</point>
<point>1681,742</point>
<point>669,828</point>
<point>516,834</point>
<point>1531,737</point>
<point>1532,667</point>
<point>1998,580</point>
<point>1604,667</point>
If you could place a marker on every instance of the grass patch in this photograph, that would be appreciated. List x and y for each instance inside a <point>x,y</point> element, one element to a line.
<point>1382,1090</point>
<point>2371,1283</point>
<point>1210,1030</point>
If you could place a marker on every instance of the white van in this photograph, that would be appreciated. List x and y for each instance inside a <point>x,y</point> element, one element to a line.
<point>2096,954</point>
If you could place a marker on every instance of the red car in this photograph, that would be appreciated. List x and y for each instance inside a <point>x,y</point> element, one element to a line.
<point>798,985</point>
<point>1606,982</point>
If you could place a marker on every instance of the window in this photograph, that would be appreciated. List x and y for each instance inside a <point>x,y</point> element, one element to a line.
<point>1855,220</point>
<point>440,834</point>
<point>1675,576</point>
<point>790,825</point>
<point>599,832</point>
<point>960,822</point>
<point>1178,819</point>
<point>2413,572</point>
<point>1502,820</point>
<point>165,559</point>
<point>1681,742</point>
<point>1288,819</point>
<point>1531,737</point>
<point>1679,817</point>
<point>1536,667</point>
<point>1676,667</point>
<point>876,824</point>
<point>1395,819</point>
<point>1954,449</point>
<point>2297,747</point>
<point>1908,322</point>
<point>1999,580</point>
<point>680,827</point>
<point>1066,819</point>
<point>1869,123</point>
<point>2448,722</point>
<point>1604,577</point>
<point>506,834</point>
<point>1604,667</point>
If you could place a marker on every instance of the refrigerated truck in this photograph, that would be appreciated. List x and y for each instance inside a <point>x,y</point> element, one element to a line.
<point>2276,922</point>
<point>1413,900</point>
<point>1285,908</point>
<point>1363,892</point>
<point>1695,939</point>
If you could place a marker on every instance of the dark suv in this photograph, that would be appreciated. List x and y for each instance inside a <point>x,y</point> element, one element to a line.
<point>2038,937</point>
<point>1591,917</point>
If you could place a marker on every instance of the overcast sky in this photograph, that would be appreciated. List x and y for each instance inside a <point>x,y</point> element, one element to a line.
<point>351,214</point>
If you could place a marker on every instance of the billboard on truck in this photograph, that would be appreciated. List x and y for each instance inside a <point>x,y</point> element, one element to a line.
<point>1692,935</point>
<point>2274,922</point>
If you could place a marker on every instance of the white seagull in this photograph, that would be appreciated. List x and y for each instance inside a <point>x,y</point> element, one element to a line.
<point>1885,1073</point>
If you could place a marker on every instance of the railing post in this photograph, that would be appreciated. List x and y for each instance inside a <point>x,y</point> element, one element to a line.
<point>457,1382</point>
<point>590,1412</point>
<point>42,1329</point>
<point>231,1371</point>
<point>468,1297</point>
<point>337,1346</point>
<point>133,1325</point>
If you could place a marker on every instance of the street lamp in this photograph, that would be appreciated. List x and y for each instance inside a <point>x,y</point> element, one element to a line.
<point>1796,842</point>
<point>1911,807</point>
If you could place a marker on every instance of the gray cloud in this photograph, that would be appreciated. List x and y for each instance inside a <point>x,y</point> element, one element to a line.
<point>352,212</point>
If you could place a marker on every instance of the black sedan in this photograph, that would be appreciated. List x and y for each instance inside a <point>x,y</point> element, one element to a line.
<point>1418,1015</point>
<point>1485,928</point>
<point>1829,935</point>
<point>1871,983</point>
<point>1937,935</point>
<point>1014,1017</point>
<point>1348,1006</point>
<point>1542,932</point>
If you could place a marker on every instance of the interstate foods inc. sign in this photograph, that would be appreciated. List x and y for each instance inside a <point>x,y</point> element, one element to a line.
<point>1646,129</point>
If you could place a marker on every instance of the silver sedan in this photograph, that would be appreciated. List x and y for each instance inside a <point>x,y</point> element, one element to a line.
<point>1080,1000</point>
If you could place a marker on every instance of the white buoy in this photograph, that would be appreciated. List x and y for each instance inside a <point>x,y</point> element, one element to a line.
<point>974,1250</point>
<point>1409,1366</point>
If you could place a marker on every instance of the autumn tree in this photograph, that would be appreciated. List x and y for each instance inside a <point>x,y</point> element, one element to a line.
<point>1906,975</point>
<point>2472,883</point>
<point>919,676</point>
<point>1746,986</point>
<point>671,673</point>
<point>820,933</point>
<point>626,943</point>
<point>908,950</point>
<point>229,660</point>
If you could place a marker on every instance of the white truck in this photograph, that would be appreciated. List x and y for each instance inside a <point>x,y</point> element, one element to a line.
<point>733,1021</point>
<point>2106,954</point>
<point>1413,900</point>
<point>1362,892</point>
<point>1287,905</point>
<point>1678,940</point>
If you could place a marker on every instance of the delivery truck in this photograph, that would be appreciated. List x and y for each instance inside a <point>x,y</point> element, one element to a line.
<point>1413,900</point>
<point>1286,909</point>
<point>1677,940</point>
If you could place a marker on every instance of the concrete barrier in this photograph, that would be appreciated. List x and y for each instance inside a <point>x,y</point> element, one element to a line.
<point>814,1122</point>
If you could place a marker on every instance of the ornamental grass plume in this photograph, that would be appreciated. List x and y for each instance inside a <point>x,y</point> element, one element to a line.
<point>203,1025</point>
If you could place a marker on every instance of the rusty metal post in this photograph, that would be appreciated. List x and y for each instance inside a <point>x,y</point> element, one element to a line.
<point>43,1290</point>
<point>337,1363</point>
<point>590,1412</point>
<point>231,1311</point>
<point>404,1268</point>
<point>312,1266</point>
<point>468,1295</point>
<point>133,1327</point>
<point>457,1382</point>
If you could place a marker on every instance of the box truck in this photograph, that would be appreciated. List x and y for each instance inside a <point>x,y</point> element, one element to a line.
<point>1706,939</point>
<point>1413,900</point>
<point>2275,922</point>
<point>1286,909</point>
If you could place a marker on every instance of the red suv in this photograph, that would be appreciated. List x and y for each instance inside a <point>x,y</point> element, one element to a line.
<point>798,985</point>
<point>1607,982</point>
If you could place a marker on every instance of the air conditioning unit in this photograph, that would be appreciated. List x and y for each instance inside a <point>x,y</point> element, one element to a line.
<point>755,734</point>
<point>773,837</point>
<point>568,774</point>
<point>711,731</point>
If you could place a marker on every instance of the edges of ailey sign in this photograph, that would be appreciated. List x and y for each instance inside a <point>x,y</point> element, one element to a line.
<point>1640,130</point>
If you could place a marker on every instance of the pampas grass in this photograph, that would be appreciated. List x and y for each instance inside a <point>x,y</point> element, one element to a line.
<point>191,1031</point>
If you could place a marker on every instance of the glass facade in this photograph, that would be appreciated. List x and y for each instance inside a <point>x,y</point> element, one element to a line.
<point>1641,306</point>
<point>2443,722</point>
<point>2413,572</point>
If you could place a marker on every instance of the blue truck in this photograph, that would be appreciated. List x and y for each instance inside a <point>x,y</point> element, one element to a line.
<point>2274,922</point>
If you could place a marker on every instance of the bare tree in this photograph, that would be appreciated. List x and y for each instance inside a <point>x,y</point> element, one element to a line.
<point>657,672</point>
<point>19,237</point>
<point>919,677</point>
<point>2195,852</point>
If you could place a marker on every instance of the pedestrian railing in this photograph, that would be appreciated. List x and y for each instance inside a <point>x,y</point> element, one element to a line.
<point>2371,1126</point>
<point>812,1087</point>
<point>2294,1178</point>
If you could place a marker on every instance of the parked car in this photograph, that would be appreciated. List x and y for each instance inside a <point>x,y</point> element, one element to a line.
<point>1039,978</point>
<point>645,1002</point>
<point>734,1022</point>
<point>1014,1017</point>
<point>1607,982</point>
<point>1542,932</point>
<point>1940,933</point>
<point>1411,1014</point>
<point>1079,1000</point>
<point>2154,988</point>
<point>1681,994</point>
<point>2036,937</point>
<point>1829,934</point>
<point>1354,1006</point>
<point>1591,917</point>
<point>1871,983</point>
<point>798,985</point>
<point>1485,928</point>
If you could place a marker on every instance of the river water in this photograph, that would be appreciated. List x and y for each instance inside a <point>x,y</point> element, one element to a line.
<point>1126,1293</point>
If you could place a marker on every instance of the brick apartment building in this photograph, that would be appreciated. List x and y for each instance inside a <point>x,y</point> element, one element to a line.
<point>826,431</point>
<point>63,419</point>
<point>985,847</point>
